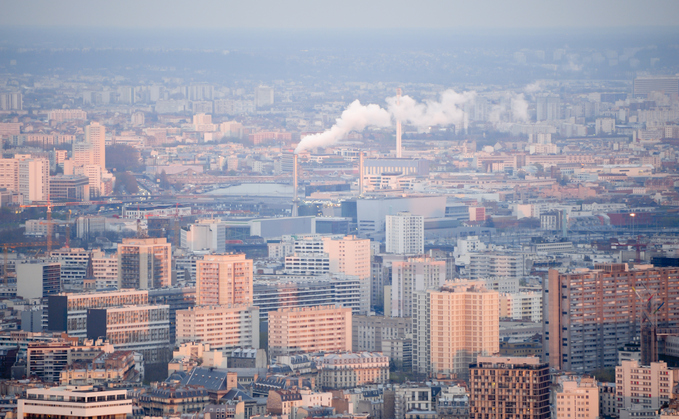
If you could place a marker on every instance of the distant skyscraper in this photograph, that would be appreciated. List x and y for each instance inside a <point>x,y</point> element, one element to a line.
<point>95,134</point>
<point>144,263</point>
<point>405,233</point>
<point>224,279</point>
<point>548,108</point>
<point>263,96</point>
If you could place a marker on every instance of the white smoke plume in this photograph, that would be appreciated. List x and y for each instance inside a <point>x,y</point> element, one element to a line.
<point>447,111</point>
<point>356,117</point>
<point>519,108</point>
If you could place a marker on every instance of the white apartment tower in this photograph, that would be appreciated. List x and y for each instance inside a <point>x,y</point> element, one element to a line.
<point>405,233</point>
<point>95,134</point>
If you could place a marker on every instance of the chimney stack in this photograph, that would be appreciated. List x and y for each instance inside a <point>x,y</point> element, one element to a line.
<point>360,173</point>
<point>398,126</point>
<point>294,185</point>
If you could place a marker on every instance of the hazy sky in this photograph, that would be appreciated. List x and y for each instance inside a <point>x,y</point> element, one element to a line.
<point>311,14</point>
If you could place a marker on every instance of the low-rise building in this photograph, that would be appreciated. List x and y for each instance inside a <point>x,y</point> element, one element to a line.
<point>74,402</point>
<point>350,370</point>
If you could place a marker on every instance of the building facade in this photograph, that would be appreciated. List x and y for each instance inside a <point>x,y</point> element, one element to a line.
<point>224,327</point>
<point>144,263</point>
<point>224,279</point>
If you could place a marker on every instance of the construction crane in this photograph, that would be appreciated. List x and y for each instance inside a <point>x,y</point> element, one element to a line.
<point>649,324</point>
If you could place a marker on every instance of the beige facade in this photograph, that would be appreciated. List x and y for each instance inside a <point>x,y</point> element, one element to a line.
<point>641,388</point>
<point>34,179</point>
<point>95,134</point>
<point>463,323</point>
<point>350,370</point>
<point>74,402</point>
<point>223,327</point>
<point>224,279</point>
<point>573,336</point>
<point>309,329</point>
<point>578,399</point>
<point>349,255</point>
<point>144,263</point>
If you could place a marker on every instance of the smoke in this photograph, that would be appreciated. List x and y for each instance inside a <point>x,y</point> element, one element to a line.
<point>356,117</point>
<point>519,108</point>
<point>446,111</point>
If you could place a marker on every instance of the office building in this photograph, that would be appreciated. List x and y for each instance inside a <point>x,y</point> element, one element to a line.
<point>351,370</point>
<point>95,134</point>
<point>140,328</point>
<point>206,236</point>
<point>144,263</point>
<point>577,398</point>
<point>582,337</point>
<point>74,188</point>
<point>68,312</point>
<point>76,402</point>
<point>224,279</point>
<point>509,387</point>
<point>405,234</point>
<point>224,327</point>
<point>643,389</point>
<point>309,329</point>
<point>412,275</point>
<point>38,278</point>
<point>669,85</point>
<point>454,325</point>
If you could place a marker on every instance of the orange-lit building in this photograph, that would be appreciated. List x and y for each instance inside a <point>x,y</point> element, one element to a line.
<point>224,279</point>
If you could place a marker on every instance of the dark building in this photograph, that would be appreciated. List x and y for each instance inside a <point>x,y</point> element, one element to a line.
<point>180,298</point>
<point>509,387</point>
<point>69,188</point>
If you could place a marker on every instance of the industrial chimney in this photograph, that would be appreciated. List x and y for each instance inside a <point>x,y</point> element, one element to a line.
<point>360,173</point>
<point>398,126</point>
<point>294,185</point>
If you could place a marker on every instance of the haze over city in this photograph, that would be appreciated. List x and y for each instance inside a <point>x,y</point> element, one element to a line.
<point>362,210</point>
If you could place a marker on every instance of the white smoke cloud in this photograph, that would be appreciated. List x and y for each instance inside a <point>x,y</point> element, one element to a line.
<point>533,87</point>
<point>446,111</point>
<point>519,108</point>
<point>356,117</point>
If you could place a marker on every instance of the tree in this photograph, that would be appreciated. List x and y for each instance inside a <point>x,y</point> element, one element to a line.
<point>126,182</point>
<point>164,181</point>
<point>122,157</point>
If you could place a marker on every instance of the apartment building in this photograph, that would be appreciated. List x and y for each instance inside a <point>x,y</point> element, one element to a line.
<point>495,264</point>
<point>224,327</point>
<point>405,234</point>
<point>454,325</point>
<point>224,279</point>
<point>641,390</point>
<point>38,278</point>
<point>144,263</point>
<point>577,398</point>
<point>68,312</point>
<point>350,370</point>
<point>309,329</point>
<point>273,292</point>
<point>583,337</point>
<point>139,328</point>
<point>410,276</point>
<point>509,387</point>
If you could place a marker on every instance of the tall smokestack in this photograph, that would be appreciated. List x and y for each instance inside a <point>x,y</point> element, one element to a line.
<point>294,185</point>
<point>360,173</point>
<point>398,126</point>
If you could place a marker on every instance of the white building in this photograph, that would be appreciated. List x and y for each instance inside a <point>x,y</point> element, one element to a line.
<point>405,233</point>
<point>225,327</point>
<point>206,235</point>
<point>412,275</point>
<point>74,402</point>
